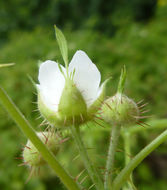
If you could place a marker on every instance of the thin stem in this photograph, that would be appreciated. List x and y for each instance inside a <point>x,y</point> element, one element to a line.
<point>27,129</point>
<point>125,173</point>
<point>115,132</point>
<point>127,149</point>
<point>84,155</point>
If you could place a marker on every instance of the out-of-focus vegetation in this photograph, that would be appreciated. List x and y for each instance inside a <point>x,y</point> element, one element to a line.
<point>112,33</point>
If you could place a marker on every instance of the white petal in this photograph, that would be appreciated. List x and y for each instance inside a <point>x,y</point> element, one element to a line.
<point>51,84</point>
<point>87,77</point>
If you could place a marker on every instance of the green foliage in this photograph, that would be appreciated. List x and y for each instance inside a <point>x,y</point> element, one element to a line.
<point>19,14</point>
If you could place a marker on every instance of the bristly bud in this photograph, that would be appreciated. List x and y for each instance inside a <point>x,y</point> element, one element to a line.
<point>32,156</point>
<point>120,110</point>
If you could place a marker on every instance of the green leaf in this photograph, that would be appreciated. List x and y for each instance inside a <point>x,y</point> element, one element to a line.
<point>62,45</point>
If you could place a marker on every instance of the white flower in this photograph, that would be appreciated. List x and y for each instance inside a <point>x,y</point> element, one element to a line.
<point>52,81</point>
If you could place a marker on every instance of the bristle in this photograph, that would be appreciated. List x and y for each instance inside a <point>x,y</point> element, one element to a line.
<point>23,164</point>
<point>77,177</point>
<point>76,157</point>
<point>140,124</point>
<point>108,105</point>
<point>143,105</point>
<point>39,117</point>
<point>83,179</point>
<point>91,186</point>
<point>30,175</point>
<point>19,158</point>
<point>25,146</point>
<point>64,140</point>
<point>140,101</point>
<point>46,138</point>
<point>145,123</point>
<point>145,111</point>
<point>98,124</point>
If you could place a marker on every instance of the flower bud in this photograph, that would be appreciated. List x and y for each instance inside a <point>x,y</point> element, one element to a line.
<point>32,156</point>
<point>120,110</point>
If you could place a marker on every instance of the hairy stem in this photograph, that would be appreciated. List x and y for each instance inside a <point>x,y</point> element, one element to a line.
<point>115,132</point>
<point>27,129</point>
<point>84,156</point>
<point>125,173</point>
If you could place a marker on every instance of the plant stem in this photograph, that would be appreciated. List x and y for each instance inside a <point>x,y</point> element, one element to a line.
<point>126,137</point>
<point>125,173</point>
<point>115,132</point>
<point>84,155</point>
<point>27,129</point>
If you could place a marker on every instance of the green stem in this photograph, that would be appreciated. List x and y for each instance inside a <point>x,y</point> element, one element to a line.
<point>125,173</point>
<point>115,132</point>
<point>126,137</point>
<point>25,126</point>
<point>84,155</point>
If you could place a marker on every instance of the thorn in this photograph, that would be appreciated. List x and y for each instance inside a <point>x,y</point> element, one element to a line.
<point>77,177</point>
<point>46,138</point>
<point>108,105</point>
<point>140,101</point>
<point>140,124</point>
<point>98,117</point>
<point>25,146</point>
<point>145,123</point>
<point>34,102</point>
<point>30,175</point>
<point>34,152</point>
<point>91,186</point>
<point>36,110</point>
<point>98,124</point>
<point>64,140</point>
<point>76,157</point>
<point>39,117</point>
<point>83,179</point>
<point>23,164</point>
<point>43,123</point>
<point>19,158</point>
<point>143,105</point>
<point>142,117</point>
<point>144,111</point>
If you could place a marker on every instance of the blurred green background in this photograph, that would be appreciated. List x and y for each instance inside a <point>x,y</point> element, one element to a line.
<point>112,33</point>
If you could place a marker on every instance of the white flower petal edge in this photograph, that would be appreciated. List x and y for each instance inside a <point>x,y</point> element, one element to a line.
<point>51,85</point>
<point>87,77</point>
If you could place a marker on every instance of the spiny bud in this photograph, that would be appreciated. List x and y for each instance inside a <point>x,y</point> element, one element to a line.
<point>120,110</point>
<point>32,156</point>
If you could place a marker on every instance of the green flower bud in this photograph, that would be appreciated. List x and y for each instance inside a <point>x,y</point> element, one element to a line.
<point>32,156</point>
<point>120,110</point>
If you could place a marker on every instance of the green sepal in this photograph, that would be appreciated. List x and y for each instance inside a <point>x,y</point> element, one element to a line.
<point>72,106</point>
<point>62,44</point>
<point>122,81</point>
<point>96,105</point>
